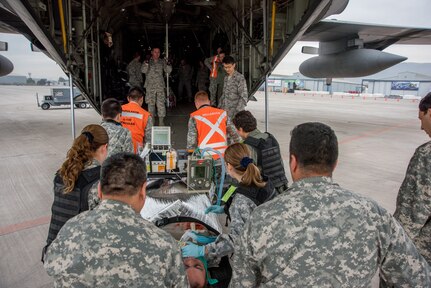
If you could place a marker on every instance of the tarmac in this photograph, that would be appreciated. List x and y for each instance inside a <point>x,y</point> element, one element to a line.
<point>377,137</point>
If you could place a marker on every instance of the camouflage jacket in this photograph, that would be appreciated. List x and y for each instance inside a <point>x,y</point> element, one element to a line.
<point>134,71</point>
<point>120,139</point>
<point>155,72</point>
<point>112,246</point>
<point>414,200</point>
<point>235,95</point>
<point>192,133</point>
<point>317,234</point>
<point>240,211</point>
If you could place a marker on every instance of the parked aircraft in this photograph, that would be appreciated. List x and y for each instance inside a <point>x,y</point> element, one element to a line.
<point>6,65</point>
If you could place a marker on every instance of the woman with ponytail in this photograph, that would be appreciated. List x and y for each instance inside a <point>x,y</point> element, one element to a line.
<point>74,179</point>
<point>253,189</point>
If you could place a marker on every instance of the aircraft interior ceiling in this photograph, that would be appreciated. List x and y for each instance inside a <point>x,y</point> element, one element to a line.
<point>93,40</point>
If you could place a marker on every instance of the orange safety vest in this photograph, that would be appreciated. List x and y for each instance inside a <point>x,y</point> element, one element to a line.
<point>211,127</point>
<point>135,118</point>
<point>214,65</point>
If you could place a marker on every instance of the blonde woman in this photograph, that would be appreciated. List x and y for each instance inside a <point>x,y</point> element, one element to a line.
<point>79,172</point>
<point>253,189</point>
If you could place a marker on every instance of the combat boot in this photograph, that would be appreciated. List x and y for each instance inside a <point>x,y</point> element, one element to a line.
<point>161,121</point>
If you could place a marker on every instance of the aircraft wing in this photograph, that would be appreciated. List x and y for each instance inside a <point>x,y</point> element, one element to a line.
<point>374,36</point>
<point>349,49</point>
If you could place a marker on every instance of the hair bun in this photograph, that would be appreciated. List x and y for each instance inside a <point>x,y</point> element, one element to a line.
<point>246,161</point>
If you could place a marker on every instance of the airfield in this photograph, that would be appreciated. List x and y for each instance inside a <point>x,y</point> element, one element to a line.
<point>376,138</point>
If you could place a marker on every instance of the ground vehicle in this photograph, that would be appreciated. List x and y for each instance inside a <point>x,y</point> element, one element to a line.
<point>61,96</point>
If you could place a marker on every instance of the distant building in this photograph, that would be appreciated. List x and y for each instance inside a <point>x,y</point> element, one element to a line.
<point>404,83</point>
<point>13,80</point>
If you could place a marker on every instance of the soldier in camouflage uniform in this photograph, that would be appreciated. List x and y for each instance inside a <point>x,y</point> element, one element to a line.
<point>112,245</point>
<point>120,139</point>
<point>238,206</point>
<point>318,234</point>
<point>217,74</point>
<point>202,101</point>
<point>414,197</point>
<point>134,71</point>
<point>154,69</point>
<point>235,94</point>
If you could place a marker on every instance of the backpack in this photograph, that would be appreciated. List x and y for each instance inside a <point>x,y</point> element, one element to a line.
<point>269,158</point>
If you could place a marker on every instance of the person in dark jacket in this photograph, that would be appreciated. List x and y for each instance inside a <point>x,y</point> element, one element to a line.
<point>75,178</point>
<point>253,190</point>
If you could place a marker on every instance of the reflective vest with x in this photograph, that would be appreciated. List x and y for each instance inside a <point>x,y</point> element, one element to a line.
<point>211,127</point>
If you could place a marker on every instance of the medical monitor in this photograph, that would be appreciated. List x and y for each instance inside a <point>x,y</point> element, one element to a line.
<point>161,137</point>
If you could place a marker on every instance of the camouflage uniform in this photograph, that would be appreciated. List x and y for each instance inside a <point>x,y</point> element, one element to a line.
<point>414,200</point>
<point>112,246</point>
<point>216,84</point>
<point>318,234</point>
<point>202,79</point>
<point>192,133</point>
<point>120,139</point>
<point>235,95</point>
<point>185,75</point>
<point>134,71</point>
<point>240,211</point>
<point>155,85</point>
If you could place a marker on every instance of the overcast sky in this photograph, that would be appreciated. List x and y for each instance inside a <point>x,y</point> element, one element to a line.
<point>386,12</point>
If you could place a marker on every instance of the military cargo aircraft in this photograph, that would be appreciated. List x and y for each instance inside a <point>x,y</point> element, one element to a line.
<point>92,40</point>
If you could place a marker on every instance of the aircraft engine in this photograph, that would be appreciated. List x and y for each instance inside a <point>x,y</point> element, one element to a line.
<point>352,63</point>
<point>6,66</point>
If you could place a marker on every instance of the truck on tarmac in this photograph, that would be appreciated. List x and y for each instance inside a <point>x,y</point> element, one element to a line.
<point>60,97</point>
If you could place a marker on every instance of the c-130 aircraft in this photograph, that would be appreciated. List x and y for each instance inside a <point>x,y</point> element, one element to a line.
<point>92,40</point>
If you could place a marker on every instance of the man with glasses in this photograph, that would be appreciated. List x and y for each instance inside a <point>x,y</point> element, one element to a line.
<point>235,94</point>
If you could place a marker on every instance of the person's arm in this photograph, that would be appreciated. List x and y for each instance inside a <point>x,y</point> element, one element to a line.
<point>93,197</point>
<point>192,134</point>
<point>232,135</point>
<point>145,67</point>
<point>240,212</point>
<point>245,270</point>
<point>242,94</point>
<point>413,204</point>
<point>147,135</point>
<point>401,265</point>
<point>207,63</point>
<point>167,68</point>
<point>128,144</point>
<point>177,276</point>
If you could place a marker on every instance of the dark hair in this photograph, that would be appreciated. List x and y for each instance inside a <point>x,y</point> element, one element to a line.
<point>238,155</point>
<point>202,96</point>
<point>245,120</point>
<point>315,147</point>
<point>135,93</point>
<point>92,137</point>
<point>122,174</point>
<point>228,60</point>
<point>111,108</point>
<point>425,103</point>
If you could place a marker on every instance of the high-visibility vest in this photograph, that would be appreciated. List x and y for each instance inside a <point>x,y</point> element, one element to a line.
<point>135,118</point>
<point>211,127</point>
<point>214,67</point>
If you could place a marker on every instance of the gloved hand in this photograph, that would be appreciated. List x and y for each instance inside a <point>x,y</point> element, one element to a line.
<point>201,238</point>
<point>193,250</point>
<point>217,209</point>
